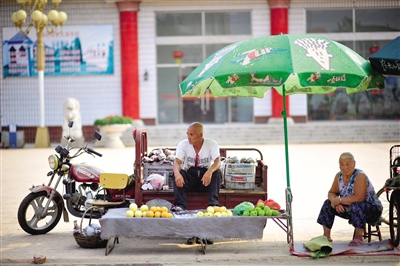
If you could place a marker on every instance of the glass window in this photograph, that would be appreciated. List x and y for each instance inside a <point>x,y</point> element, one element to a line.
<point>167,95</point>
<point>242,109</point>
<point>366,20</point>
<point>377,20</point>
<point>365,48</point>
<point>212,48</point>
<point>205,109</point>
<point>319,21</point>
<point>178,24</point>
<point>233,23</point>
<point>191,54</point>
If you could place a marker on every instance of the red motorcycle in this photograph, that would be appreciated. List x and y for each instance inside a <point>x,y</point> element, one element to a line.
<point>40,211</point>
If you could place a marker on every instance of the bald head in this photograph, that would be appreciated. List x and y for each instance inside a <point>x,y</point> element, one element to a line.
<point>195,134</point>
<point>197,127</point>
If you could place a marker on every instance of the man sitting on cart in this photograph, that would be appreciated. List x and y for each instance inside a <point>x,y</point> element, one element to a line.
<point>196,168</point>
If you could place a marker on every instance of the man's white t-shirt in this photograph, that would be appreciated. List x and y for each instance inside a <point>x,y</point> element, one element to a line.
<point>208,153</point>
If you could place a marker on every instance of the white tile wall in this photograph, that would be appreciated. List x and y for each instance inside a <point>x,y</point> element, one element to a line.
<point>101,95</point>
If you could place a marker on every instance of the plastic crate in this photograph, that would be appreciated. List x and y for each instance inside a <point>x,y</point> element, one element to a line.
<point>240,176</point>
<point>154,168</point>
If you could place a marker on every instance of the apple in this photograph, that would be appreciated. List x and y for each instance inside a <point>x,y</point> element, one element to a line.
<point>224,214</point>
<point>209,214</point>
<point>138,214</point>
<point>223,209</point>
<point>210,209</point>
<point>275,213</point>
<point>130,213</point>
<point>217,214</point>
<point>144,208</point>
<point>133,207</point>
<point>229,213</point>
<point>268,212</point>
<point>200,214</point>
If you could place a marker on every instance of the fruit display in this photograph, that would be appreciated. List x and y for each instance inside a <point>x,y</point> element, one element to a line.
<point>144,211</point>
<point>216,211</point>
<point>249,209</point>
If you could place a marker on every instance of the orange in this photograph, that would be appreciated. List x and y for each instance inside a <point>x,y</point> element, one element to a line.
<point>153,208</point>
<point>157,214</point>
<point>164,215</point>
<point>164,209</point>
<point>158,209</point>
<point>150,214</point>
<point>170,215</point>
<point>217,209</point>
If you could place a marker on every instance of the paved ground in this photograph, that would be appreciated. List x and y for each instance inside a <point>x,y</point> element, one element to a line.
<point>312,167</point>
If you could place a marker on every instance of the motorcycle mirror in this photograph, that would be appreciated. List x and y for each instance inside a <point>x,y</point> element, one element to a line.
<point>70,124</point>
<point>97,135</point>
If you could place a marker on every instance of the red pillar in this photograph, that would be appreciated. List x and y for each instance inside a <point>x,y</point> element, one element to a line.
<point>279,24</point>
<point>129,58</point>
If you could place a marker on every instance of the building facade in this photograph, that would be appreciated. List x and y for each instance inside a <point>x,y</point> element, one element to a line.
<point>157,43</point>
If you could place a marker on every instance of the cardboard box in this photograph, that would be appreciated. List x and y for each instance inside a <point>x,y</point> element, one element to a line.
<point>240,176</point>
<point>240,185</point>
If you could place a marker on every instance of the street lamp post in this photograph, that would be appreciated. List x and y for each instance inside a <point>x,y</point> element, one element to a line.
<point>39,20</point>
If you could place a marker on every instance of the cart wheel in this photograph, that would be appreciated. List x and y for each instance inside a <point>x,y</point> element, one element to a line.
<point>385,199</point>
<point>394,217</point>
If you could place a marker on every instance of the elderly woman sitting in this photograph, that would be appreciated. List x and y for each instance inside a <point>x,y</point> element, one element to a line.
<point>352,196</point>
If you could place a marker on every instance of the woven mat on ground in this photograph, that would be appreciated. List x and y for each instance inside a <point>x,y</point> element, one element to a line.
<point>376,248</point>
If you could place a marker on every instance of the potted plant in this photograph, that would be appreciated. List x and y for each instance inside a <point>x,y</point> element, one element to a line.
<point>113,120</point>
<point>114,126</point>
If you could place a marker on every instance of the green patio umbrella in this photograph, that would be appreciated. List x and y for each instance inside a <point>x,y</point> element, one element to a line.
<point>290,64</point>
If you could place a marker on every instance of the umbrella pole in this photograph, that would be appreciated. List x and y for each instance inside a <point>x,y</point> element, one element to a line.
<point>285,132</point>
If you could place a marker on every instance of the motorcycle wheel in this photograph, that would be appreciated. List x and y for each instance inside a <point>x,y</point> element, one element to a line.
<point>30,210</point>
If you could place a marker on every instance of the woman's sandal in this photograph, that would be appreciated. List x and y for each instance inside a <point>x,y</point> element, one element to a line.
<point>356,242</point>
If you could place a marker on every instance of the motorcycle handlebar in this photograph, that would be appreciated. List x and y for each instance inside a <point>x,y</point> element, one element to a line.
<point>94,152</point>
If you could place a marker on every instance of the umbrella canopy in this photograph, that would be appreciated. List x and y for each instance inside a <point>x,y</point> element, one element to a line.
<point>387,59</point>
<point>307,64</point>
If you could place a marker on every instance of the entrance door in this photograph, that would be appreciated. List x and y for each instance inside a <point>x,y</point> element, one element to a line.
<point>206,109</point>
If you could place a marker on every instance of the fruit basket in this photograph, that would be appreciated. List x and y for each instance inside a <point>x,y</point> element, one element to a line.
<point>93,241</point>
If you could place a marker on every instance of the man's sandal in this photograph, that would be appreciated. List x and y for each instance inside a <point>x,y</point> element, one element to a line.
<point>192,240</point>
<point>208,241</point>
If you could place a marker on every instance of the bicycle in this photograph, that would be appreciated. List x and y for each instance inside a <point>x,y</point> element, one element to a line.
<point>389,195</point>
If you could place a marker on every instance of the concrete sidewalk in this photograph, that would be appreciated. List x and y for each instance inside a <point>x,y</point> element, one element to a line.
<point>312,169</point>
